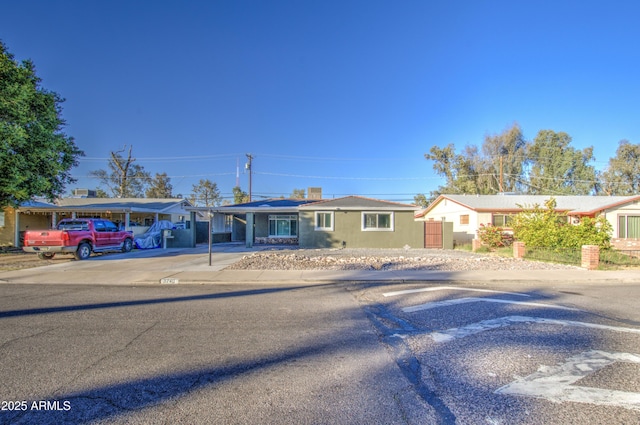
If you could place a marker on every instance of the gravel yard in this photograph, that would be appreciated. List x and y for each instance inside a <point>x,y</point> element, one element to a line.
<point>385,259</point>
<point>339,259</point>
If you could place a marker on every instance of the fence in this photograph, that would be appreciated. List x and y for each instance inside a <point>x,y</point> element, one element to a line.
<point>611,258</point>
<point>590,257</point>
<point>564,256</point>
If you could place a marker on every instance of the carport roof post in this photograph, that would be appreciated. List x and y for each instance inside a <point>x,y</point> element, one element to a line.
<point>249,227</point>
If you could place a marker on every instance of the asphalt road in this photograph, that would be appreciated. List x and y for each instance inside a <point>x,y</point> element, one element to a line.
<point>195,354</point>
<point>515,354</point>
<point>104,351</point>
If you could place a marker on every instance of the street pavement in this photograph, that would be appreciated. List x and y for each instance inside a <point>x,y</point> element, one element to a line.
<point>161,336</point>
<point>191,266</point>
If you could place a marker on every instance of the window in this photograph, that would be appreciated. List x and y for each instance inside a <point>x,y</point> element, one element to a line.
<point>1,218</point>
<point>110,227</point>
<point>377,221</point>
<point>464,219</point>
<point>628,226</point>
<point>99,226</point>
<point>73,225</point>
<point>228,223</point>
<point>324,221</point>
<point>501,220</point>
<point>283,226</point>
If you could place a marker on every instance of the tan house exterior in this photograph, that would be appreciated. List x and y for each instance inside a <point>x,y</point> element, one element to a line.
<point>135,214</point>
<point>12,222</point>
<point>468,212</point>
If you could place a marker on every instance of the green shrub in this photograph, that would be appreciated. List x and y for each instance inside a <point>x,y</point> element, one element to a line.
<point>548,228</point>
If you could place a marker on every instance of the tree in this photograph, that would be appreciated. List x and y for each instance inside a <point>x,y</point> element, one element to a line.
<point>509,163</point>
<point>35,153</point>
<point>421,200</point>
<point>497,167</point>
<point>239,196</point>
<point>160,187</point>
<point>505,159</point>
<point>622,176</point>
<point>559,169</point>
<point>124,178</point>
<point>206,194</point>
<point>101,193</point>
<point>298,194</point>
<point>464,173</point>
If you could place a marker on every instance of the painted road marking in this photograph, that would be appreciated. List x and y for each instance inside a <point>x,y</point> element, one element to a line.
<point>449,288</point>
<point>485,325</point>
<point>555,383</point>
<point>437,304</point>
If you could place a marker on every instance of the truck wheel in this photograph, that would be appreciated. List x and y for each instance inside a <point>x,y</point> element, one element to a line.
<point>83,252</point>
<point>45,255</point>
<point>127,245</point>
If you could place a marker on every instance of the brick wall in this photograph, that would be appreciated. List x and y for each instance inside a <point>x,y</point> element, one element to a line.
<point>626,244</point>
<point>518,250</point>
<point>590,257</point>
<point>475,244</point>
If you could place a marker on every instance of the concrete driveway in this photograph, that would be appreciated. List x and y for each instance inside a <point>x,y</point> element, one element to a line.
<point>139,266</point>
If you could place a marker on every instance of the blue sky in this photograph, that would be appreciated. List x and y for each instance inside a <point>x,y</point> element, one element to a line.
<point>344,95</point>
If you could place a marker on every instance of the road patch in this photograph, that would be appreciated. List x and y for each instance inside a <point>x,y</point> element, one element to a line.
<point>428,306</point>
<point>556,383</point>
<point>485,325</point>
<point>450,288</point>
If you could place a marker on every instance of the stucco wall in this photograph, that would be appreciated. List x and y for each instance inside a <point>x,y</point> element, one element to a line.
<point>612,215</point>
<point>7,231</point>
<point>348,228</point>
<point>261,225</point>
<point>447,210</point>
<point>27,221</point>
<point>34,221</point>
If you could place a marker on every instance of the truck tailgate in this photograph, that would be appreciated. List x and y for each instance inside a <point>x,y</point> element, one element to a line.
<point>45,238</point>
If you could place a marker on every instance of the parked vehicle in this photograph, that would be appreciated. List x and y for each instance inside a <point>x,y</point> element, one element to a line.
<point>78,236</point>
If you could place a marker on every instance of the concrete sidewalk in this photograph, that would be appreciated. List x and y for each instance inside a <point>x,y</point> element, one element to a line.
<point>328,276</point>
<point>191,266</point>
<point>199,272</point>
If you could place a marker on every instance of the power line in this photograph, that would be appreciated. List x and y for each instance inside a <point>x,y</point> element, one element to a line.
<point>173,177</point>
<point>345,178</point>
<point>168,158</point>
<point>315,158</point>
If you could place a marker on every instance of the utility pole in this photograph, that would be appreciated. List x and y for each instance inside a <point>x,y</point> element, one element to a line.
<point>248,167</point>
<point>501,177</point>
<point>237,172</point>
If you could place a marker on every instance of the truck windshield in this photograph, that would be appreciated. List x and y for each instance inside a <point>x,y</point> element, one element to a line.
<point>73,225</point>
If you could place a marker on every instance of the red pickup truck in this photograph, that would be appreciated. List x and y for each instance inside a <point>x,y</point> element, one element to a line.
<point>78,236</point>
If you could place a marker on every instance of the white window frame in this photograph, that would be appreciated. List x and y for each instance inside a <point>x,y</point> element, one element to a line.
<point>505,218</point>
<point>283,217</point>
<point>364,228</point>
<point>317,221</point>
<point>1,218</point>
<point>624,234</point>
